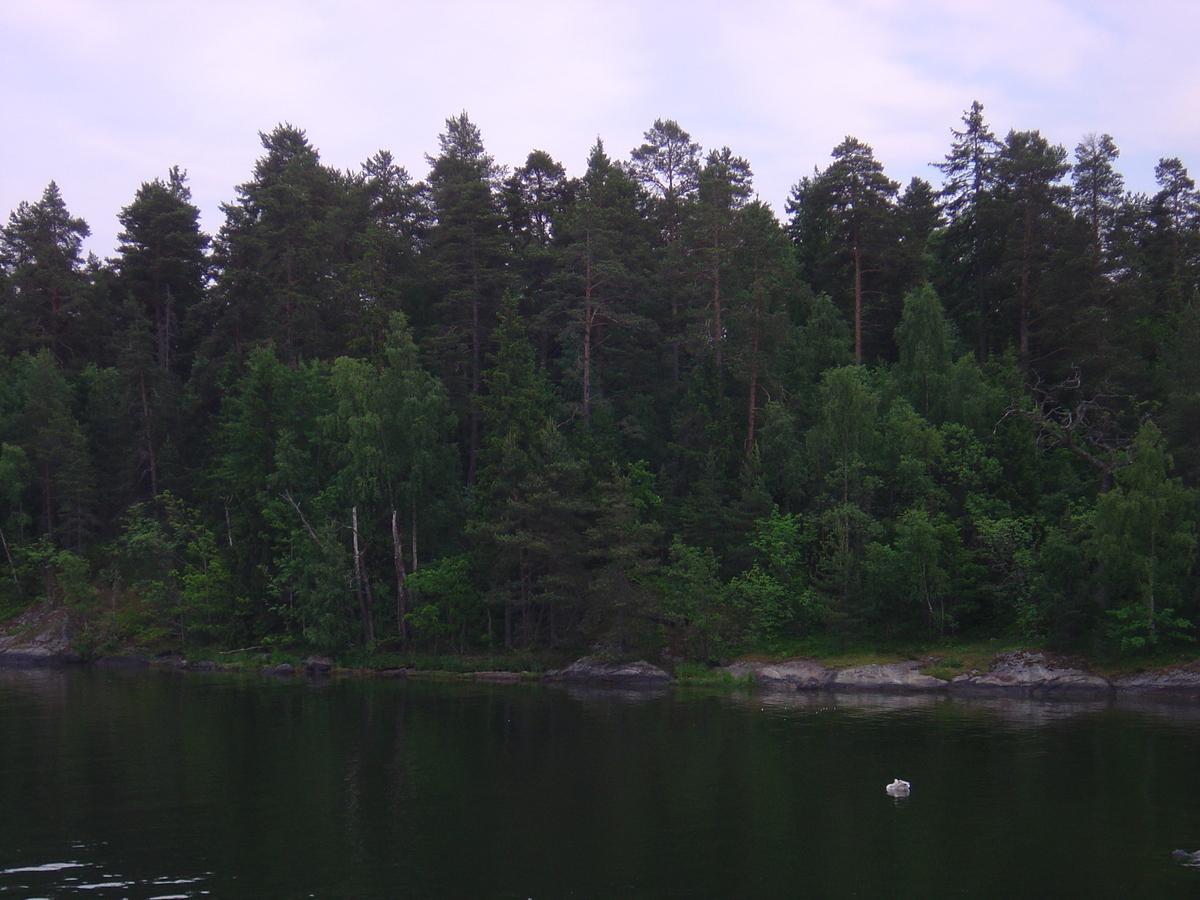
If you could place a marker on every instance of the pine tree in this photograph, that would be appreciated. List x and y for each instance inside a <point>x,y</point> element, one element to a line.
<point>162,264</point>
<point>600,261</point>
<point>467,258</point>
<point>40,250</point>
<point>282,257</point>
<point>967,254</point>
<point>1028,172</point>
<point>724,189</point>
<point>850,210</point>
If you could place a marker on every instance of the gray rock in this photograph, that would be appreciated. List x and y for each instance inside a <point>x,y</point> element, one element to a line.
<point>1170,681</point>
<point>36,657</point>
<point>901,676</point>
<point>204,665</point>
<point>282,670</point>
<point>797,675</point>
<point>498,677</point>
<point>318,665</point>
<point>595,670</point>
<point>742,670</point>
<point>1024,672</point>
<point>40,636</point>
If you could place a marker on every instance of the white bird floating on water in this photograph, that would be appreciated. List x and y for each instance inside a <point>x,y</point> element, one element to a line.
<point>899,788</point>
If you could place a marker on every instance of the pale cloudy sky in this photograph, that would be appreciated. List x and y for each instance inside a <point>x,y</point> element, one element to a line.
<point>101,95</point>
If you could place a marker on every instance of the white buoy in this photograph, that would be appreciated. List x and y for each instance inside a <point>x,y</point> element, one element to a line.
<point>899,788</point>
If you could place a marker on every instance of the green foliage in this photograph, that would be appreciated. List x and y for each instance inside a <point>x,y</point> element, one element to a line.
<point>445,600</point>
<point>168,559</point>
<point>1144,535</point>
<point>695,598</point>
<point>258,447</point>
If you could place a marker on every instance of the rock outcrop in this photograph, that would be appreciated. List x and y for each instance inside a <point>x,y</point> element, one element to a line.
<point>797,675</point>
<point>901,676</point>
<point>40,636</point>
<point>1175,681</point>
<point>1023,672</point>
<point>1020,673</point>
<point>596,671</point>
<point>318,665</point>
<point>807,675</point>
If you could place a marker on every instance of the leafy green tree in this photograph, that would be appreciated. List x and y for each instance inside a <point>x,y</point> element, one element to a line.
<point>15,477</point>
<point>1144,531</point>
<point>925,340</point>
<point>694,596</point>
<point>392,427</point>
<point>271,470</point>
<point>842,445</point>
<point>169,557</point>
<point>916,566</point>
<point>777,592</point>
<point>623,544</point>
<point>56,447</point>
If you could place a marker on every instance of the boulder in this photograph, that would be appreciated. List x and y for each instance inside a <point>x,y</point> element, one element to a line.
<point>901,676</point>
<point>283,670</point>
<point>796,675</point>
<point>40,636</point>
<point>318,665</point>
<point>1033,674</point>
<point>598,671</point>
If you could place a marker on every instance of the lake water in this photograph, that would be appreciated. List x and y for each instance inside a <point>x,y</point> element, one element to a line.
<point>161,785</point>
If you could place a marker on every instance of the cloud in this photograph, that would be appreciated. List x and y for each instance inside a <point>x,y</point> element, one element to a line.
<point>104,94</point>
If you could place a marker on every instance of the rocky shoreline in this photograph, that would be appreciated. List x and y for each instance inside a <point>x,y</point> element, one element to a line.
<point>43,637</point>
<point>1020,673</point>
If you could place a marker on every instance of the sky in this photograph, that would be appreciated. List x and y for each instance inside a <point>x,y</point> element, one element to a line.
<point>102,95</point>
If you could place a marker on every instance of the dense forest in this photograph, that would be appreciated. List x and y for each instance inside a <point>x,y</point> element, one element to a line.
<point>511,409</point>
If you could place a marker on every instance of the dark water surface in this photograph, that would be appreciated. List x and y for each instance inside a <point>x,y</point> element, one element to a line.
<point>157,785</point>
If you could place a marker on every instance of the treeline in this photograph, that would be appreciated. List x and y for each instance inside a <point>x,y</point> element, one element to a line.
<point>630,409</point>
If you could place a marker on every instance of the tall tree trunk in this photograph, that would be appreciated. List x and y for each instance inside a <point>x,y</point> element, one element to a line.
<point>413,529</point>
<point>1026,245</point>
<point>752,413</point>
<point>858,295</point>
<point>401,577</point>
<point>148,419</point>
<point>362,584</point>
